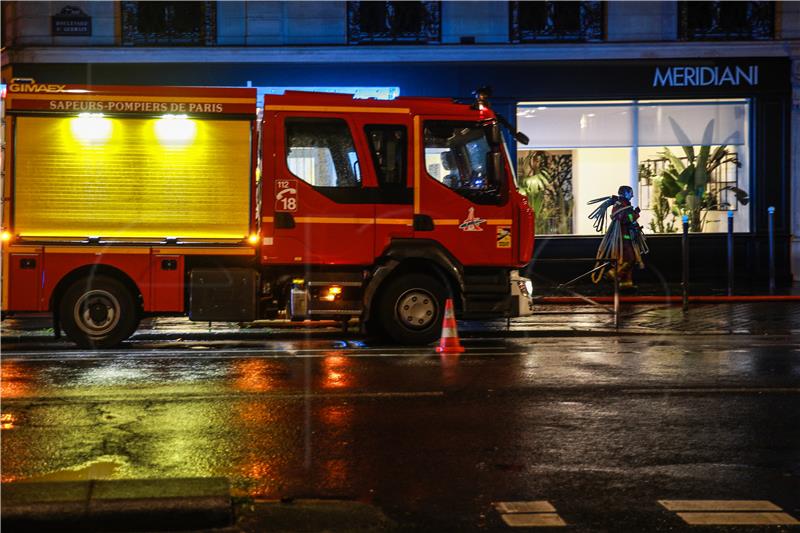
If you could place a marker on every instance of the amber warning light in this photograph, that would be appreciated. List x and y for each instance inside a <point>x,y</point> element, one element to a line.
<point>331,294</point>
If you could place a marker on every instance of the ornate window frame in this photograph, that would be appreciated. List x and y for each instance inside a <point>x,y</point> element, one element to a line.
<point>760,18</point>
<point>429,33</point>
<point>592,24</point>
<point>206,35</point>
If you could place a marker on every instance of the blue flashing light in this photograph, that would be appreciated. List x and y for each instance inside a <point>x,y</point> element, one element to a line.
<point>377,93</point>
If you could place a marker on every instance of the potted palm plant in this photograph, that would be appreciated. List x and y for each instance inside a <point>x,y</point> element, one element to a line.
<point>685,180</point>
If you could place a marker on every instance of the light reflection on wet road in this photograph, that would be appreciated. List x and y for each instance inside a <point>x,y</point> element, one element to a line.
<point>419,434</point>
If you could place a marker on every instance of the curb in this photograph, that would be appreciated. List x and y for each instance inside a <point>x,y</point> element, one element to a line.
<point>308,514</point>
<point>117,505</point>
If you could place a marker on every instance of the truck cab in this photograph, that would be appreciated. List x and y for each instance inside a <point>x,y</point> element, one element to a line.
<point>396,206</point>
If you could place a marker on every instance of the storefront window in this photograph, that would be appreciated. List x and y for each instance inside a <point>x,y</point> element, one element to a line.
<point>682,157</point>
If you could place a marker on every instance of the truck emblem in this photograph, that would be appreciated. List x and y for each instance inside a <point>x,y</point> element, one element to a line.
<point>472,223</point>
<point>504,237</point>
<point>286,196</point>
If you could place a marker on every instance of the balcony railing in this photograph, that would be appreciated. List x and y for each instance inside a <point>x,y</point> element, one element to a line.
<point>373,22</point>
<point>555,21</point>
<point>712,21</point>
<point>169,23</point>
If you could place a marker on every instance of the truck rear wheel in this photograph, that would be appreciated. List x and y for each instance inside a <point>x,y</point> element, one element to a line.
<point>411,309</point>
<point>98,312</point>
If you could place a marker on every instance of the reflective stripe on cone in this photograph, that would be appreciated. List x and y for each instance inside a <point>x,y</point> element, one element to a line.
<point>449,342</point>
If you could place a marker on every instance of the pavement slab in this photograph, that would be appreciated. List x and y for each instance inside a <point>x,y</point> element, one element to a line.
<point>117,505</point>
<point>312,515</point>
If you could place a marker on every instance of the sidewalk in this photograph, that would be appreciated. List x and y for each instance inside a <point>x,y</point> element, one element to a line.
<point>748,318</point>
<point>193,504</point>
<point>560,319</point>
<point>548,288</point>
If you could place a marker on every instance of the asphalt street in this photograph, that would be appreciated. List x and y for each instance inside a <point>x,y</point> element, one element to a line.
<point>601,428</point>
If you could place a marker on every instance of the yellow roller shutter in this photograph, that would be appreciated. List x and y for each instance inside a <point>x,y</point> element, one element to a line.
<point>130,177</point>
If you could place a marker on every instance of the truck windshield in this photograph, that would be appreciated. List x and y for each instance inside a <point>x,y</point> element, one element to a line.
<point>457,154</point>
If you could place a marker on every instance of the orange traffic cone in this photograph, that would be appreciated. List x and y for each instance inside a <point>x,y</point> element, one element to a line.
<point>449,342</point>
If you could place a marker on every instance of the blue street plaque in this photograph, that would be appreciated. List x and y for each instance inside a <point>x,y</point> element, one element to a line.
<point>72,21</point>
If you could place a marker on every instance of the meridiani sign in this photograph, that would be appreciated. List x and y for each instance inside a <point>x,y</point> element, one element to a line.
<point>733,76</point>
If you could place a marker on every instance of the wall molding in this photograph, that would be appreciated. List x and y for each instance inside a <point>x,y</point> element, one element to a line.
<point>399,54</point>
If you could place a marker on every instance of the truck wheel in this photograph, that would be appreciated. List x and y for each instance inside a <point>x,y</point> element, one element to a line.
<point>411,309</point>
<point>98,312</point>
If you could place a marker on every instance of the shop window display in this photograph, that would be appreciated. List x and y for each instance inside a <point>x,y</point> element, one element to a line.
<point>682,157</point>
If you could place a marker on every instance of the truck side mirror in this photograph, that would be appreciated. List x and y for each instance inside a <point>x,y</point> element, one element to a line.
<point>521,138</point>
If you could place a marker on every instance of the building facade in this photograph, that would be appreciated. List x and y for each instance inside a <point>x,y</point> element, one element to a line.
<point>610,93</point>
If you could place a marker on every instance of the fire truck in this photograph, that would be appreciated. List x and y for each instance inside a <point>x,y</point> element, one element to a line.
<point>124,202</point>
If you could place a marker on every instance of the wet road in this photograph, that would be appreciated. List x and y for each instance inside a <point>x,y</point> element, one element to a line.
<point>601,427</point>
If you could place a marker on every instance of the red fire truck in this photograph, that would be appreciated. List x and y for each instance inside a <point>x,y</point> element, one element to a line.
<point>122,202</point>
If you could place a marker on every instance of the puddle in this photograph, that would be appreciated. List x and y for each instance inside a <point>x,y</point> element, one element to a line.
<point>7,421</point>
<point>96,470</point>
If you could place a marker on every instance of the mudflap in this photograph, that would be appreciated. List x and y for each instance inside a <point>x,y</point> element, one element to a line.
<point>521,295</point>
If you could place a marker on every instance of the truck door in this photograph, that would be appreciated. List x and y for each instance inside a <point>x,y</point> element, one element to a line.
<point>462,199</point>
<point>389,148</point>
<point>317,202</point>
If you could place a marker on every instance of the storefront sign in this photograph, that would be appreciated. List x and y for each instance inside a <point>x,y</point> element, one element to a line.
<point>72,21</point>
<point>733,76</point>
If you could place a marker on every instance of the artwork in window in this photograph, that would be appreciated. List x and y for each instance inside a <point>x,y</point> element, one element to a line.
<point>546,179</point>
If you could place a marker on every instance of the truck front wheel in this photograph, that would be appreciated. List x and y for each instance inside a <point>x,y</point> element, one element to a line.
<point>411,309</point>
<point>98,312</point>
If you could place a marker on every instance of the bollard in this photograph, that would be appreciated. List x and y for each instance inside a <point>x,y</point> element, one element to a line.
<point>616,295</point>
<point>685,254</point>
<point>771,211</point>
<point>730,253</point>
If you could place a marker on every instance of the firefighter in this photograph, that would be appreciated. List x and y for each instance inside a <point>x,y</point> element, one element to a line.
<point>624,240</point>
